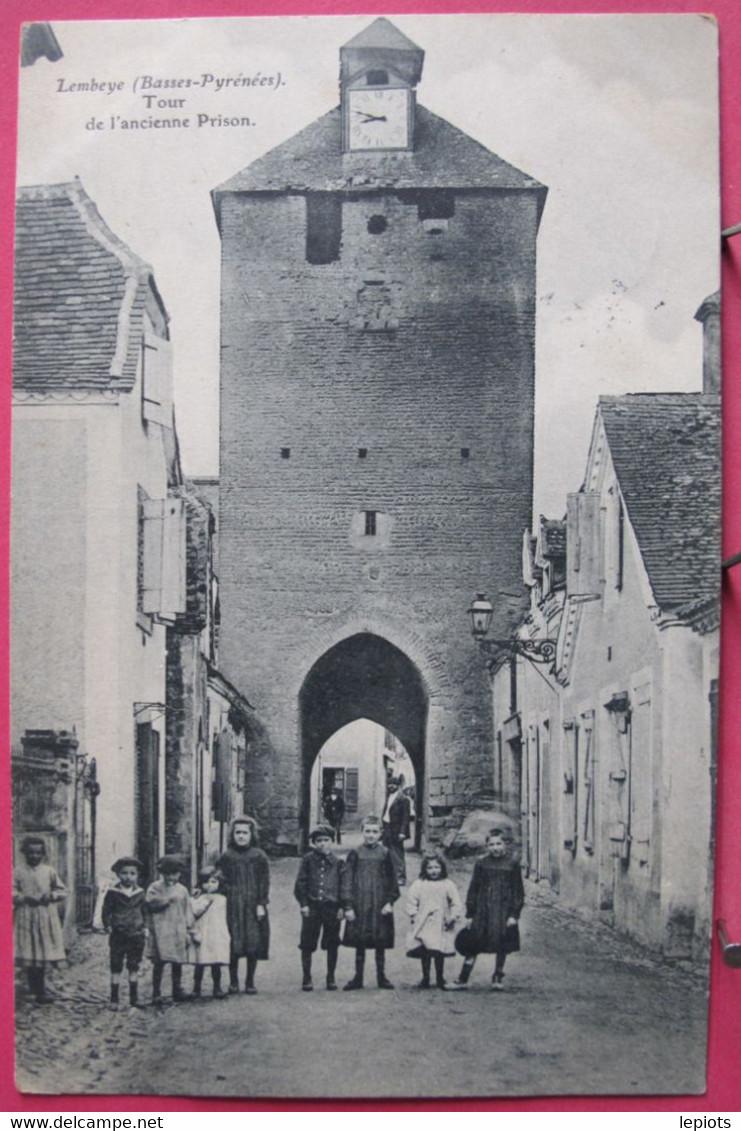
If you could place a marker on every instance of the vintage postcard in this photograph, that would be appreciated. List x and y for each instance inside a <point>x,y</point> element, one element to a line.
<point>365,555</point>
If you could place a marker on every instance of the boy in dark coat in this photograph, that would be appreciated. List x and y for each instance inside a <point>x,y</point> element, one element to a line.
<point>493,904</point>
<point>369,890</point>
<point>317,890</point>
<point>124,915</point>
<point>334,812</point>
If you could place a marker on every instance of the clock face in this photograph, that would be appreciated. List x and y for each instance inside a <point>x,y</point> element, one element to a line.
<point>378,119</point>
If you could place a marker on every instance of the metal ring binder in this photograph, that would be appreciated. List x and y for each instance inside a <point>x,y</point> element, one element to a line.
<point>731,951</point>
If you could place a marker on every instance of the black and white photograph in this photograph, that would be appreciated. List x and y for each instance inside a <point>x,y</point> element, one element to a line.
<point>365,552</point>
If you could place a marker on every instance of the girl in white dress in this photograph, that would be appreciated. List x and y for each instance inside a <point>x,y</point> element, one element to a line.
<point>37,928</point>
<point>434,908</point>
<point>210,944</point>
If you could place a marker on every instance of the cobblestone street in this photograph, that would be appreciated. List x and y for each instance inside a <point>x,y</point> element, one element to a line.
<point>583,1011</point>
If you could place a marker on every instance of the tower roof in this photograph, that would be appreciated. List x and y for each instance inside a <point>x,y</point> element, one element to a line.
<point>380,34</point>
<point>443,157</point>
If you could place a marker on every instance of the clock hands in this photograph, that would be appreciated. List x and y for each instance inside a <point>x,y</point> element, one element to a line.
<point>370,117</point>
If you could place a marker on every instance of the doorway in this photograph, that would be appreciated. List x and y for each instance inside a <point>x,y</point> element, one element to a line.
<point>356,764</point>
<point>363,680</point>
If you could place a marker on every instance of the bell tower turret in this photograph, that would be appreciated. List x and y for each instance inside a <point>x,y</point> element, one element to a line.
<point>379,69</point>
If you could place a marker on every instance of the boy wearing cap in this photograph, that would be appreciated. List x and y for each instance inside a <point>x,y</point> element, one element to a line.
<point>125,918</point>
<point>317,890</point>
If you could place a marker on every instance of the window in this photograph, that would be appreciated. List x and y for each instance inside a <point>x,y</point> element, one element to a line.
<point>323,227</point>
<point>465,453</point>
<point>377,78</point>
<point>285,453</point>
<point>435,204</point>
<point>362,453</point>
<point>370,530</point>
<point>377,225</point>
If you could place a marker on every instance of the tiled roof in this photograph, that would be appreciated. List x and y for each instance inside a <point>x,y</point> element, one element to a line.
<point>79,295</point>
<point>665,448</point>
<point>443,157</point>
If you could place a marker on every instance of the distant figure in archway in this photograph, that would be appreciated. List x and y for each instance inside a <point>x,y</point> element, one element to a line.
<point>334,812</point>
<point>396,823</point>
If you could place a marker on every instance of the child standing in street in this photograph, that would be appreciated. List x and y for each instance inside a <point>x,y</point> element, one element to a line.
<point>317,890</point>
<point>210,943</point>
<point>369,890</point>
<point>172,924</point>
<point>493,905</point>
<point>37,929</point>
<point>434,907</point>
<point>124,915</point>
<point>246,873</point>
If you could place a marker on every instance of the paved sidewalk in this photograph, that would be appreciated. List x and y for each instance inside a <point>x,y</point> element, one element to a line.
<point>583,1011</point>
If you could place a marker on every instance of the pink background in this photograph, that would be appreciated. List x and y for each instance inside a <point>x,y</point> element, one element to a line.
<point>724,1077</point>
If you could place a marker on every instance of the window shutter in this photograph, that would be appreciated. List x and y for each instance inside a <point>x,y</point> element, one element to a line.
<point>156,380</point>
<point>164,557</point>
<point>173,558</point>
<point>583,544</point>
<point>222,771</point>
<point>351,789</point>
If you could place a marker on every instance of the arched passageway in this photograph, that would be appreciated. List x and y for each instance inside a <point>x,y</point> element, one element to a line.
<point>357,762</point>
<point>363,677</point>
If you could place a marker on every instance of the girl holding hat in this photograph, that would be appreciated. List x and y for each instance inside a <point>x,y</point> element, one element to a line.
<point>493,905</point>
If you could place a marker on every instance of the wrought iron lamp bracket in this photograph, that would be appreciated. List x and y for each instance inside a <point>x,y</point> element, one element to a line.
<point>538,651</point>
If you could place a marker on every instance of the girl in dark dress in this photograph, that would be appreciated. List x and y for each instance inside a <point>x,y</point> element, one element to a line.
<point>493,905</point>
<point>369,889</point>
<point>246,874</point>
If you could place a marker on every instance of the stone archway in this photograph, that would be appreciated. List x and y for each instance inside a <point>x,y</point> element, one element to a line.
<point>363,676</point>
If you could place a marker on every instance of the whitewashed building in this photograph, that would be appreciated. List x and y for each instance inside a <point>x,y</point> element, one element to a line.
<point>97,552</point>
<point>609,756</point>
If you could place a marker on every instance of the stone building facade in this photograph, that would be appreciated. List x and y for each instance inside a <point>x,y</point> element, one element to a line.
<point>378,320</point>
<point>211,732</point>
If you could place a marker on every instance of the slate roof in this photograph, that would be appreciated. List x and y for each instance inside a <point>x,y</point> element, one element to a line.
<point>443,157</point>
<point>79,295</point>
<point>381,34</point>
<point>665,448</point>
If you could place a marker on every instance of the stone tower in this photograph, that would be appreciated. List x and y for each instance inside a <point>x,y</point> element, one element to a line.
<point>377,378</point>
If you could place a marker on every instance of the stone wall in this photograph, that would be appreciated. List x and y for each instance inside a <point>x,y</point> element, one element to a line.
<point>397,379</point>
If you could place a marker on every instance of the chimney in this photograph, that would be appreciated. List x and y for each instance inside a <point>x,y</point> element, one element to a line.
<point>709,315</point>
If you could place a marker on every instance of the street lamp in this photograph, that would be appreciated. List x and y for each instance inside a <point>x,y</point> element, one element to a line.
<point>480,612</point>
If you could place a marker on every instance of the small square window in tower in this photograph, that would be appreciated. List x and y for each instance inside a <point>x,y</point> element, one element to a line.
<point>323,227</point>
